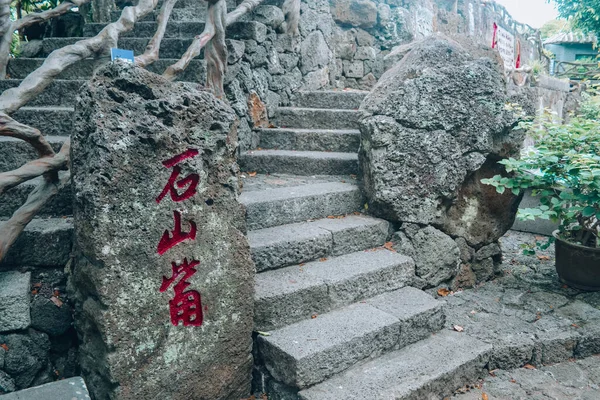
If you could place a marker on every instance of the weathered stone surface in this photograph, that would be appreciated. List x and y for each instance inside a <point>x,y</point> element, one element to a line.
<point>235,50</point>
<point>7,384</point>
<point>14,301</point>
<point>436,255</point>
<point>269,15</point>
<point>353,69</point>
<point>433,127</point>
<point>26,357</point>
<point>314,52</point>
<point>47,317</point>
<point>359,13</point>
<point>31,49</point>
<point>130,121</point>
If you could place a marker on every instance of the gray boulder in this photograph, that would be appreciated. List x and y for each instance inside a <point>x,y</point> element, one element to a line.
<point>436,255</point>
<point>163,280</point>
<point>434,126</point>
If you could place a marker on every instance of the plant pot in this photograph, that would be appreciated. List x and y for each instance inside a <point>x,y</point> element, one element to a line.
<point>577,266</point>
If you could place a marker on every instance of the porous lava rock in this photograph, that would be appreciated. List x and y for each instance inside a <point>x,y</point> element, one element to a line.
<point>436,124</point>
<point>134,133</point>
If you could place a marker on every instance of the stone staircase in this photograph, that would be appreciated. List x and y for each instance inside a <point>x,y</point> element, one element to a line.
<point>336,311</point>
<point>335,315</point>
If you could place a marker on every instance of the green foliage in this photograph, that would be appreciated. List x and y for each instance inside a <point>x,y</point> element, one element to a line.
<point>583,14</point>
<point>15,45</point>
<point>563,170</point>
<point>537,68</point>
<point>29,6</point>
<point>553,27</point>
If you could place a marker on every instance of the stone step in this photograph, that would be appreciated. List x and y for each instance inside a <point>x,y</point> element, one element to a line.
<point>313,350</point>
<point>146,29</point>
<point>291,294</point>
<point>430,369</point>
<point>45,242</point>
<point>66,389</point>
<point>16,152</point>
<point>340,99</point>
<point>19,68</point>
<point>51,121</point>
<point>59,93</point>
<point>316,118</point>
<point>169,47</point>
<point>184,10</point>
<point>340,140</point>
<point>291,244</point>
<point>299,162</point>
<point>286,205</point>
<point>58,206</point>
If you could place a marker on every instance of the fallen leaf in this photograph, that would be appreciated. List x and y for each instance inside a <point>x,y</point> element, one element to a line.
<point>513,381</point>
<point>56,301</point>
<point>538,316</point>
<point>313,316</point>
<point>34,292</point>
<point>263,333</point>
<point>543,258</point>
<point>252,174</point>
<point>272,126</point>
<point>443,292</point>
<point>484,396</point>
<point>56,293</point>
<point>389,246</point>
<point>4,346</point>
<point>330,217</point>
<point>356,213</point>
<point>458,328</point>
<point>323,259</point>
<point>301,265</point>
<point>528,366</point>
<point>575,325</point>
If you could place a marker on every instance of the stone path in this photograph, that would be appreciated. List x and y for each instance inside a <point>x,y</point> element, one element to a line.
<point>531,319</point>
<point>570,380</point>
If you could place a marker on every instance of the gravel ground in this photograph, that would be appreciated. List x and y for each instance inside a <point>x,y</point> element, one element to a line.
<point>545,335</point>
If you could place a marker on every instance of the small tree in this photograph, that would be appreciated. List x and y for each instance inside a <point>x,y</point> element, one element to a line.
<point>583,14</point>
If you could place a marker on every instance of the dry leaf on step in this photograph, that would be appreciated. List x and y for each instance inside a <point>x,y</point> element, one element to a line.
<point>389,246</point>
<point>56,301</point>
<point>443,292</point>
<point>528,366</point>
<point>458,328</point>
<point>484,396</point>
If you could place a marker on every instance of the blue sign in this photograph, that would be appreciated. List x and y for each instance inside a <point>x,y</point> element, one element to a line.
<point>119,54</point>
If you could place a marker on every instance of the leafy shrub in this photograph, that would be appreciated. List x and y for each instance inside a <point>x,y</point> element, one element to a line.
<point>563,170</point>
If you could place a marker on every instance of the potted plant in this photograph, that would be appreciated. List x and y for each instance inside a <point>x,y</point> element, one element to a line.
<point>563,170</point>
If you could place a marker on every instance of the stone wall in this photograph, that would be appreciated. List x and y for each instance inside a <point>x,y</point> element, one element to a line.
<point>38,343</point>
<point>343,44</point>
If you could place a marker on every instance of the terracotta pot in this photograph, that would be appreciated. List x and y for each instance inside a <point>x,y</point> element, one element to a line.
<point>577,266</point>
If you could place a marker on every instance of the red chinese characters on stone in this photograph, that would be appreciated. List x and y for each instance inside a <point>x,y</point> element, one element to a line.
<point>186,306</point>
<point>190,181</point>
<point>167,241</point>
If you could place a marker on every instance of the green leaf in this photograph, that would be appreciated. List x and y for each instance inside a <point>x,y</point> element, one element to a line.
<point>588,211</point>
